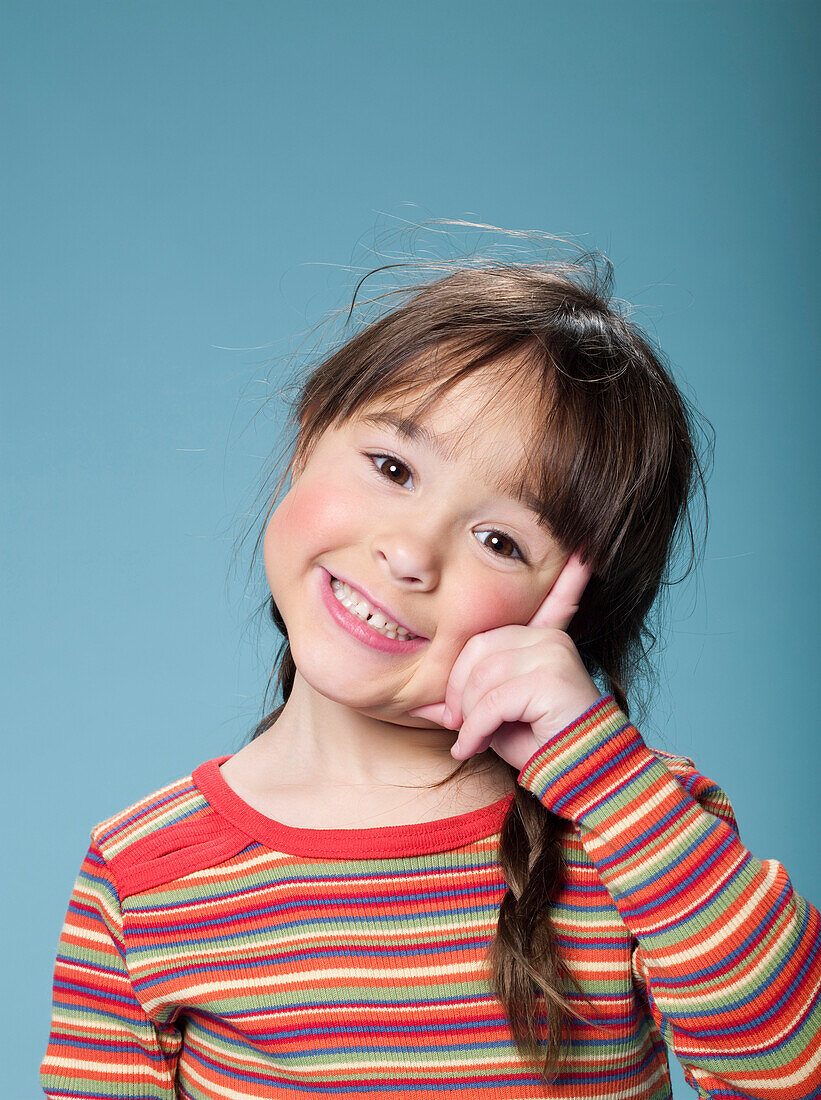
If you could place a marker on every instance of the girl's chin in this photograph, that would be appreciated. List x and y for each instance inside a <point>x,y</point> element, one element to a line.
<point>400,718</point>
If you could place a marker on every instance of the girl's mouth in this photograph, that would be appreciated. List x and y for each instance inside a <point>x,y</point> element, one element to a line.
<point>372,636</point>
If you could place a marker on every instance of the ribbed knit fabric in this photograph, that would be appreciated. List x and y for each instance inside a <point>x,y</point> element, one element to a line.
<point>209,951</point>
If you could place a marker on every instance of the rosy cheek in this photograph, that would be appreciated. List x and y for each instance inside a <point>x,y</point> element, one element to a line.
<point>489,606</point>
<point>320,509</point>
<point>309,517</point>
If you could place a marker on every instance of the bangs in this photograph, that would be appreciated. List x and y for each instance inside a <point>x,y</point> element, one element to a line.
<point>519,399</point>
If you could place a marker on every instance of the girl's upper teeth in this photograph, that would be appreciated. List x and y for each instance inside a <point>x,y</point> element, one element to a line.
<point>362,609</point>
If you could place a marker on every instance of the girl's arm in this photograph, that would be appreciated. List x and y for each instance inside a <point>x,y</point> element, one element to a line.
<point>729,953</point>
<point>102,1043</point>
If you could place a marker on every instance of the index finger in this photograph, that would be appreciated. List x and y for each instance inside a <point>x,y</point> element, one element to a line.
<point>562,601</point>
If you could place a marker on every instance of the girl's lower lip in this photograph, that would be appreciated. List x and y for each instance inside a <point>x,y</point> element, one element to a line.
<point>357,628</point>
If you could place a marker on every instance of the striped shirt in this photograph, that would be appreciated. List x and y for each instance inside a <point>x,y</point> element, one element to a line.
<point>210,951</point>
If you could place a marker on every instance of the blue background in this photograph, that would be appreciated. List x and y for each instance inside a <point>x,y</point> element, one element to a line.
<point>189,188</point>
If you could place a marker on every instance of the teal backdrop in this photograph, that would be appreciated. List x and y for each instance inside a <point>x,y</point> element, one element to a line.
<point>190,187</point>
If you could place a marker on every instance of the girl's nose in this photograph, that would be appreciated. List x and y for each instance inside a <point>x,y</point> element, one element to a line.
<point>408,561</point>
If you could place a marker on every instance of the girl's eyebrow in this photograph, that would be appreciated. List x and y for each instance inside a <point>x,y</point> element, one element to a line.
<point>410,429</point>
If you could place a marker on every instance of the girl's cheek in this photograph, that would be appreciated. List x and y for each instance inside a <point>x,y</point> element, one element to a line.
<point>320,509</point>
<point>282,542</point>
<point>493,602</point>
<point>307,518</point>
<point>487,606</point>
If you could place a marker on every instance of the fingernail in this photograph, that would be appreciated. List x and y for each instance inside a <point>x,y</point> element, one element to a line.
<point>448,717</point>
<point>455,748</point>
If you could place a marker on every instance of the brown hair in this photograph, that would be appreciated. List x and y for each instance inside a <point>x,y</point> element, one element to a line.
<point>615,474</point>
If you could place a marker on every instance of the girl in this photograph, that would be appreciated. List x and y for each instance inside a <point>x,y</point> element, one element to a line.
<point>485,491</point>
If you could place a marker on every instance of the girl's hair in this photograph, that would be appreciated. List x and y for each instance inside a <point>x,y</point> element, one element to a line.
<point>614,467</point>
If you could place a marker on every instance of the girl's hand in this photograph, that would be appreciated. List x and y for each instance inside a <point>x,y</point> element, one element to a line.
<point>514,687</point>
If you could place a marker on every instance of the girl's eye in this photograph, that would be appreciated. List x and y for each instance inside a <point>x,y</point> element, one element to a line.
<point>505,538</point>
<point>393,463</point>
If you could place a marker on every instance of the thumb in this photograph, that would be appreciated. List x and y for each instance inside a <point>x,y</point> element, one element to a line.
<point>434,712</point>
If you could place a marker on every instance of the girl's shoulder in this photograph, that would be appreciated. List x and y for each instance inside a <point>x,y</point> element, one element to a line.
<point>170,832</point>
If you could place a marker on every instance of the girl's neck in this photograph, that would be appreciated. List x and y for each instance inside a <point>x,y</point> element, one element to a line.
<point>316,736</point>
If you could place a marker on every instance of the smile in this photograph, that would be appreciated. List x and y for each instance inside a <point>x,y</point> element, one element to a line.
<point>354,614</point>
<point>359,606</point>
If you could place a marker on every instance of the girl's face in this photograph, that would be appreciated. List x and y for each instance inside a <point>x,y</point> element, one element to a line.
<point>429,535</point>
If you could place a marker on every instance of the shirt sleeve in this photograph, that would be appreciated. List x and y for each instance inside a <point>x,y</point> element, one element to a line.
<point>102,1043</point>
<point>726,953</point>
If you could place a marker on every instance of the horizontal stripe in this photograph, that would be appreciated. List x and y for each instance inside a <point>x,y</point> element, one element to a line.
<point>199,959</point>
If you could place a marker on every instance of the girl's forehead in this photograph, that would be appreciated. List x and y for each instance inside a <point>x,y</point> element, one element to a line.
<point>462,417</point>
<point>499,443</point>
